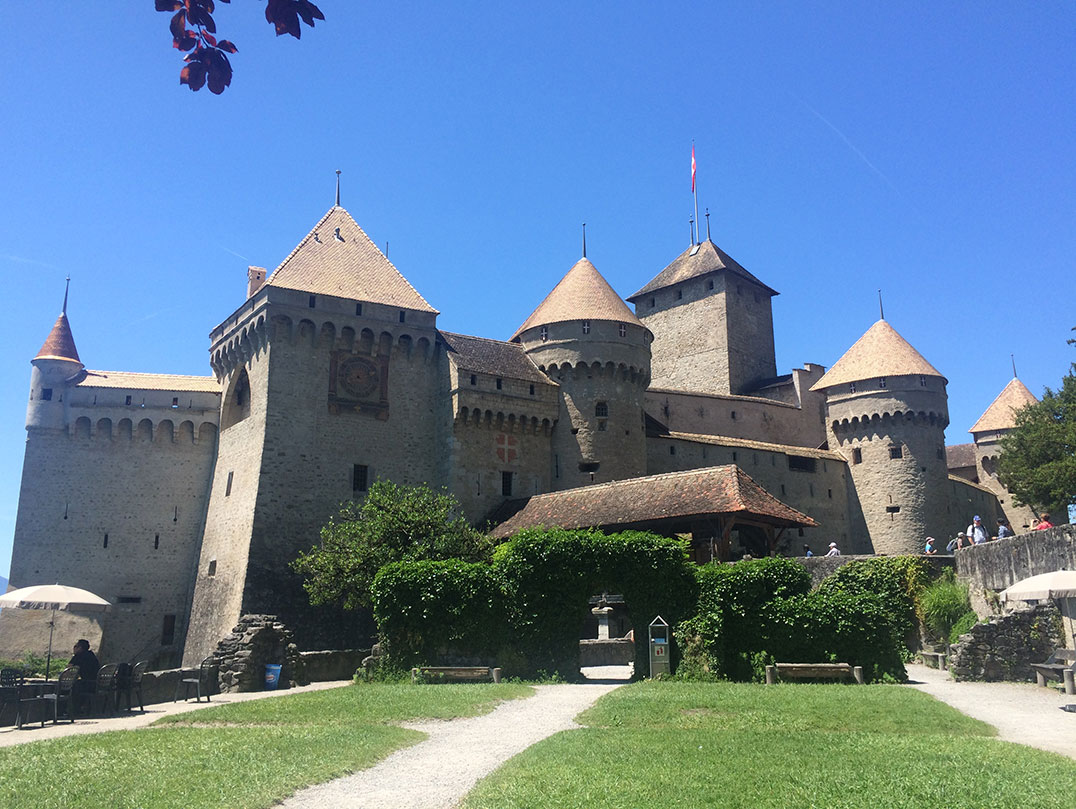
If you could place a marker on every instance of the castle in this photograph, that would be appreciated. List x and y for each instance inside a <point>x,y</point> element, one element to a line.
<point>184,499</point>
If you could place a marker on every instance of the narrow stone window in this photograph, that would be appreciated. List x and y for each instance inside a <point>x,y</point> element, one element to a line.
<point>168,630</point>
<point>896,452</point>
<point>735,456</point>
<point>506,484</point>
<point>543,333</point>
<point>881,382</point>
<point>360,474</point>
<point>601,410</point>
<point>782,490</point>
<point>156,541</point>
<point>228,486</point>
<point>46,394</point>
<point>651,303</point>
<point>623,330</point>
<point>127,400</point>
<point>810,487</point>
<point>532,390</point>
<point>857,455</point>
<point>175,401</point>
<point>679,294</point>
<point>105,543</point>
<point>556,466</point>
<point>313,301</point>
<point>403,316</point>
<point>892,509</point>
<point>851,387</point>
<point>710,284</point>
<point>672,449</point>
<point>586,327</point>
<point>734,415</point>
<point>922,381</point>
<point>474,379</point>
<point>500,383</point>
<point>829,493</point>
<point>212,568</point>
<point>358,308</point>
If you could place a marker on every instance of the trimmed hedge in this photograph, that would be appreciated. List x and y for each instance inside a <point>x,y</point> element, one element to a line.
<point>429,609</point>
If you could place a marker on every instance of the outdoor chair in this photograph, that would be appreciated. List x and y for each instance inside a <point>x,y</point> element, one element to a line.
<point>200,682</point>
<point>65,685</point>
<point>105,691</point>
<point>10,680</point>
<point>132,684</point>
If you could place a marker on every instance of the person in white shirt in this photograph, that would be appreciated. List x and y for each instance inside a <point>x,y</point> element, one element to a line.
<point>833,551</point>
<point>977,532</point>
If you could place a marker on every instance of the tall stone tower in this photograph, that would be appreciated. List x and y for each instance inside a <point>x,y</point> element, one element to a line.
<point>714,322</point>
<point>585,338</point>
<point>886,412</point>
<point>987,433</point>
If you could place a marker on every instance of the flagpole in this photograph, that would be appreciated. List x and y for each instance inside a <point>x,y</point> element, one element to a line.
<point>694,187</point>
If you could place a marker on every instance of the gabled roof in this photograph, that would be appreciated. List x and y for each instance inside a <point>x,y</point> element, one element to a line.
<point>879,352</point>
<point>696,261</point>
<point>492,357</point>
<point>1001,415</point>
<point>582,294</point>
<point>959,456</point>
<point>337,258</point>
<point>675,495</point>
<point>60,344</point>
<point>130,380</point>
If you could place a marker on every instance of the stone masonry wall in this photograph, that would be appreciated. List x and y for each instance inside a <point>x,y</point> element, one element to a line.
<point>255,641</point>
<point>1005,646</point>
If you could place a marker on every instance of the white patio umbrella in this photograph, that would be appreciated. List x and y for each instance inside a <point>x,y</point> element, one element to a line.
<point>53,597</point>
<point>1056,584</point>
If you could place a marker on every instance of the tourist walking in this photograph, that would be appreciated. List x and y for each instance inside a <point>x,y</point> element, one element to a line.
<point>977,531</point>
<point>833,550</point>
<point>930,550</point>
<point>1003,528</point>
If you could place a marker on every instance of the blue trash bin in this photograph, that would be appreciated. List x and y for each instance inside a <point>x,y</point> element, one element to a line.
<point>272,676</point>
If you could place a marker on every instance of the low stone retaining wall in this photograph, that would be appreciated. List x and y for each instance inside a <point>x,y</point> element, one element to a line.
<point>1005,647</point>
<point>607,652</point>
<point>333,664</point>
<point>821,566</point>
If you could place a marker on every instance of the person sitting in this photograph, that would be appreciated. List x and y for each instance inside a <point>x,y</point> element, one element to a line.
<point>1044,523</point>
<point>930,550</point>
<point>86,684</point>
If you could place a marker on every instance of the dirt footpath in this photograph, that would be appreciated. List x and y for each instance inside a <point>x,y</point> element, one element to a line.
<point>1022,712</point>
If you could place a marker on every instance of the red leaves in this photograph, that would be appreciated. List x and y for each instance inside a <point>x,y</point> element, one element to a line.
<point>207,63</point>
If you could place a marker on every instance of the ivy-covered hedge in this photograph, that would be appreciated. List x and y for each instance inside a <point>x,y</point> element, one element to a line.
<point>550,574</point>
<point>428,609</point>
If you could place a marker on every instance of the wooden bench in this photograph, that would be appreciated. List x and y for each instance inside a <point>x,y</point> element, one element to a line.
<point>1060,666</point>
<point>812,671</point>
<point>456,673</point>
<point>936,660</point>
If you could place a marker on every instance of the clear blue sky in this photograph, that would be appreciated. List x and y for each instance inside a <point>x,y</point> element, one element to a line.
<point>926,148</point>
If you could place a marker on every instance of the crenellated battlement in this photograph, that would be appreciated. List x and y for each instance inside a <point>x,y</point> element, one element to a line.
<point>504,422</point>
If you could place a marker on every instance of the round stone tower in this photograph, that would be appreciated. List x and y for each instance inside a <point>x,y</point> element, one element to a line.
<point>887,410</point>
<point>585,338</point>
<point>56,364</point>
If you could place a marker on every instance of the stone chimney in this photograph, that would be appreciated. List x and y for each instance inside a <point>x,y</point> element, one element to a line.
<point>255,279</point>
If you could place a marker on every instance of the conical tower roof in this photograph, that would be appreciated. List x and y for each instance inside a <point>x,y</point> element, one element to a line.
<point>695,262</point>
<point>337,258</point>
<point>60,344</point>
<point>1001,415</point>
<point>582,294</point>
<point>879,352</point>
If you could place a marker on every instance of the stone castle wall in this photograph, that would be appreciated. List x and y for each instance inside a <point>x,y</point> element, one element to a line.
<point>114,503</point>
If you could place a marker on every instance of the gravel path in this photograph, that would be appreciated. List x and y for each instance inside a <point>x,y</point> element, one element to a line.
<point>437,772</point>
<point>1022,712</point>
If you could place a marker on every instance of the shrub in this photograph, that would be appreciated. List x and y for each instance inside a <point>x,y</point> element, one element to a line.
<point>942,604</point>
<point>963,625</point>
<point>428,610</point>
<point>897,580</point>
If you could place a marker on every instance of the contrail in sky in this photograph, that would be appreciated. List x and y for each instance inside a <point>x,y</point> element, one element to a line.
<point>237,255</point>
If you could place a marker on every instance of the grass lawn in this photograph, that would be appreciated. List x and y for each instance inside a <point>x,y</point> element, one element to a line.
<point>240,756</point>
<point>736,745</point>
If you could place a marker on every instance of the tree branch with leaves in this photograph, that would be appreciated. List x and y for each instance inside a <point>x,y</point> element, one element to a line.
<point>194,31</point>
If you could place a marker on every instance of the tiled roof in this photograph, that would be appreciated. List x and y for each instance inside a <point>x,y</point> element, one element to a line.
<point>136,381</point>
<point>492,357</point>
<point>60,344</point>
<point>696,261</point>
<point>1001,415</point>
<point>675,495</point>
<point>337,258</point>
<point>960,456</point>
<point>879,352</point>
<point>729,441</point>
<point>582,294</point>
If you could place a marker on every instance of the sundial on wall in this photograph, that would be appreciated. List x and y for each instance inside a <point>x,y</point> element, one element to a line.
<point>358,384</point>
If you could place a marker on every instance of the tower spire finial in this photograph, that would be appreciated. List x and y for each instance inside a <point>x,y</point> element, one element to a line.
<point>1013,358</point>
<point>67,289</point>
<point>881,311</point>
<point>338,188</point>
<point>708,225</point>
<point>584,240</point>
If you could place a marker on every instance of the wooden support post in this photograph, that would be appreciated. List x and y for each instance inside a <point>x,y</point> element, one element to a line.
<point>495,674</point>
<point>771,675</point>
<point>857,672</point>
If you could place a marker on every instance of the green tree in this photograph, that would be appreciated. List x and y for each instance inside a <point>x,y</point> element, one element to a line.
<point>394,523</point>
<point>1038,456</point>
